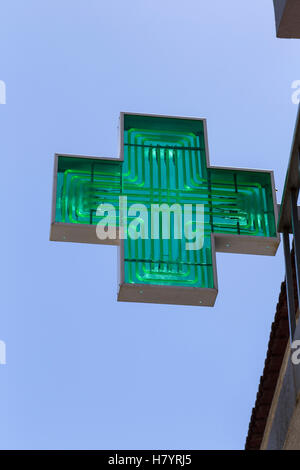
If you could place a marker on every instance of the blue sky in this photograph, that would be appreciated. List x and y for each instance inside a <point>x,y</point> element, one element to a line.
<point>83,370</point>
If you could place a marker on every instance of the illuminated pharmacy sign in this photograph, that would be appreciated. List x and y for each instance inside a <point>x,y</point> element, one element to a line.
<point>166,207</point>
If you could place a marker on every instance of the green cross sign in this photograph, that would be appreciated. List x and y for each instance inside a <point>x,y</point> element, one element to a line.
<point>141,200</point>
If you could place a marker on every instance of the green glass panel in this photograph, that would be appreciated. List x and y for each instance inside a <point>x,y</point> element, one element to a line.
<point>165,163</point>
<point>82,185</point>
<point>242,203</point>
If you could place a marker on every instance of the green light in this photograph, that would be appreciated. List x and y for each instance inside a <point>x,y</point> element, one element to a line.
<point>83,183</point>
<point>165,161</point>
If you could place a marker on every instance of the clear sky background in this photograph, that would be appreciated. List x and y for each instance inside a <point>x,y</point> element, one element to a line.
<point>83,370</point>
